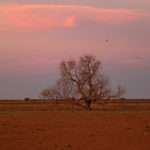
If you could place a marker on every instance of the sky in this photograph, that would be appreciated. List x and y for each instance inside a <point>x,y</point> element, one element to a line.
<point>36,35</point>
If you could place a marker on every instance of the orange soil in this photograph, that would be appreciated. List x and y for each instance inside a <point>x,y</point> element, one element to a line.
<point>79,130</point>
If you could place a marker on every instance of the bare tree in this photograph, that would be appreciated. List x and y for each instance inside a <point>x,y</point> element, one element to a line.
<point>45,94</point>
<point>120,91</point>
<point>87,78</point>
<point>63,89</point>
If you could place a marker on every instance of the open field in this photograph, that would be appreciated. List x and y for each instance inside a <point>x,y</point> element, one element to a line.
<point>49,126</point>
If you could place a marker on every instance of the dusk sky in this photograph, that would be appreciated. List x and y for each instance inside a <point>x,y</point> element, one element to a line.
<point>35,35</point>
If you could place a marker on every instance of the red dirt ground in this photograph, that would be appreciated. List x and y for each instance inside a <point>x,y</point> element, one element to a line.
<point>79,130</point>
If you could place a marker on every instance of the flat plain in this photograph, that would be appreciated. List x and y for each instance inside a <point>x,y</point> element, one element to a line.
<point>49,126</point>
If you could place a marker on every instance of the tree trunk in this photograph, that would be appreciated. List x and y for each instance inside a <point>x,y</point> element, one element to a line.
<point>88,104</point>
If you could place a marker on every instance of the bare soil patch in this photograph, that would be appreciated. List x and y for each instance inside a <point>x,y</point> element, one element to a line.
<point>78,130</point>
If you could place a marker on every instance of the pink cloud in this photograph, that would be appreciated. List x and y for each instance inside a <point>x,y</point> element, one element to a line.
<point>45,16</point>
<point>70,22</point>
